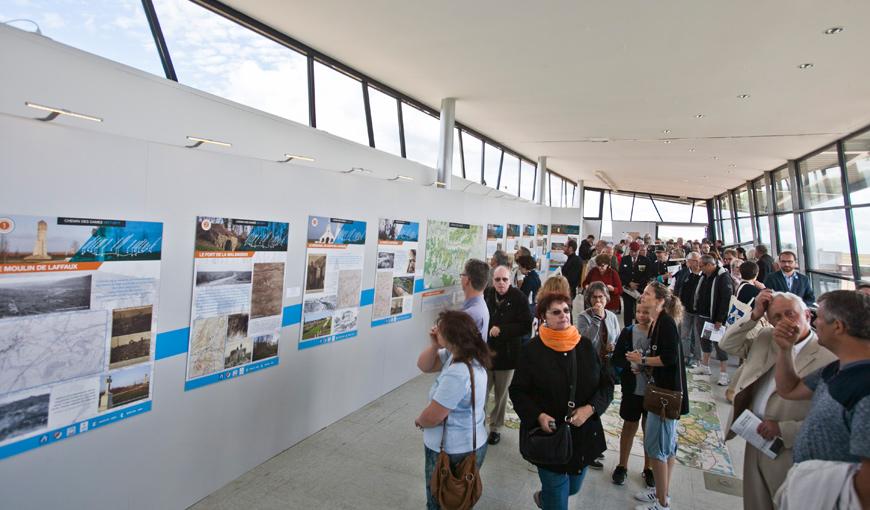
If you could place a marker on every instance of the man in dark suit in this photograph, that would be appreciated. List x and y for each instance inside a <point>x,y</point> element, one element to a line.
<point>573,267</point>
<point>586,249</point>
<point>634,272</point>
<point>764,261</point>
<point>787,279</point>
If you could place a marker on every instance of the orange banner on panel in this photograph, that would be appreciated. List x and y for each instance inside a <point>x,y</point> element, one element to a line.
<point>49,267</point>
<point>223,254</point>
<point>398,243</point>
<point>433,293</point>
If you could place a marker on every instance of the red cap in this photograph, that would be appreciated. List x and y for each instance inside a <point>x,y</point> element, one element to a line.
<point>634,246</point>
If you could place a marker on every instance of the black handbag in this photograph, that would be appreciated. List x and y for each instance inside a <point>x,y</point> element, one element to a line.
<point>554,448</point>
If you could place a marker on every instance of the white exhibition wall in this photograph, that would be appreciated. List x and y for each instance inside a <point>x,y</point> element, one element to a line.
<point>134,166</point>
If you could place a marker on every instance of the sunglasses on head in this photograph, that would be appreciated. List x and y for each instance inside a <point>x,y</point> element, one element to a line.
<point>559,311</point>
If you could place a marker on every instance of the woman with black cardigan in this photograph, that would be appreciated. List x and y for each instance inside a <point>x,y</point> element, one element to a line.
<point>540,394</point>
<point>665,359</point>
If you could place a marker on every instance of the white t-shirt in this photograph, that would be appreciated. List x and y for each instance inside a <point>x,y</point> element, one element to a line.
<point>452,389</point>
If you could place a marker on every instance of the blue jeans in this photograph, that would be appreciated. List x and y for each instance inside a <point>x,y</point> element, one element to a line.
<point>556,487</point>
<point>455,459</point>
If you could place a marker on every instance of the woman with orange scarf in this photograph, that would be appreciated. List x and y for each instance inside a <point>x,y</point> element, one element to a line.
<point>540,394</point>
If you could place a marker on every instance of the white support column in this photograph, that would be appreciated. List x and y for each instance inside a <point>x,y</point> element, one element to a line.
<point>579,202</point>
<point>444,168</point>
<point>541,179</point>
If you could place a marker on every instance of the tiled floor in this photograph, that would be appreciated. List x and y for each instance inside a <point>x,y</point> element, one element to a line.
<point>374,459</point>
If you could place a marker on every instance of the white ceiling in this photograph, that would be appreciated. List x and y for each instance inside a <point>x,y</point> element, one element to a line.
<point>542,77</point>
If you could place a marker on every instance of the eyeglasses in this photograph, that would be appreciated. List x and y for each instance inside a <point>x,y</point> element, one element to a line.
<point>501,279</point>
<point>559,311</point>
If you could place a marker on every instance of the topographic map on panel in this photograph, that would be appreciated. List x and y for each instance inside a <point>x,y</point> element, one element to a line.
<point>448,246</point>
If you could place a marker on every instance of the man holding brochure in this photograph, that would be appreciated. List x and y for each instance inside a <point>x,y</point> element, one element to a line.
<point>755,391</point>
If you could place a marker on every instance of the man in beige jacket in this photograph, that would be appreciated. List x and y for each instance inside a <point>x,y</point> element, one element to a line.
<point>756,389</point>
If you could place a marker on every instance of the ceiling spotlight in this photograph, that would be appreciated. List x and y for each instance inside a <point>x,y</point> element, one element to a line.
<point>667,141</point>
<point>666,131</point>
<point>360,170</point>
<point>834,30</point>
<point>715,157</point>
<point>199,141</point>
<point>808,65</point>
<point>691,149</point>
<point>404,178</point>
<point>54,112</point>
<point>743,96</point>
<point>699,116</point>
<point>292,157</point>
<point>732,165</point>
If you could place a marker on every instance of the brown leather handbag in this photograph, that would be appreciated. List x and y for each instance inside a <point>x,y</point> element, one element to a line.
<point>458,489</point>
<point>663,402</point>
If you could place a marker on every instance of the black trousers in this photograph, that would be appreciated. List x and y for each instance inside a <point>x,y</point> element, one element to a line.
<point>629,304</point>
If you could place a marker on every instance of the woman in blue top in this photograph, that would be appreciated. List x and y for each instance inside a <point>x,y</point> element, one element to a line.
<point>455,343</point>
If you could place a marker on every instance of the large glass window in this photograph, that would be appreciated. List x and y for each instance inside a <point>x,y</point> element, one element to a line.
<point>491,162</point>
<point>762,204</point>
<point>527,180</point>
<point>763,230</point>
<point>644,210</point>
<point>782,190</point>
<point>457,154</point>
<point>473,148</point>
<point>674,211</point>
<point>338,102</point>
<point>219,56</point>
<point>666,232</point>
<point>385,121</point>
<point>821,181</point>
<point>823,283</point>
<point>728,233</point>
<point>510,175</point>
<point>725,206</point>
<point>857,152</point>
<point>787,234</point>
<point>861,220</point>
<point>117,30</point>
<point>554,191</point>
<point>591,203</point>
<point>421,135</point>
<point>699,212</point>
<point>828,242</point>
<point>741,199</point>
<point>620,206</point>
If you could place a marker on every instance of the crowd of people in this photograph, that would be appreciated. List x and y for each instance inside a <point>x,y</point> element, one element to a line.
<point>647,315</point>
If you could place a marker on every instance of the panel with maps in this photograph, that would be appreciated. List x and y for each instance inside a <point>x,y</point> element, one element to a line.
<point>78,315</point>
<point>448,246</point>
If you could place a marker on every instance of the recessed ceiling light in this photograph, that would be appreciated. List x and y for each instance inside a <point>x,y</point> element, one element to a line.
<point>743,96</point>
<point>715,157</point>
<point>808,65</point>
<point>834,30</point>
<point>732,165</point>
<point>666,131</point>
<point>667,141</point>
<point>691,149</point>
<point>699,116</point>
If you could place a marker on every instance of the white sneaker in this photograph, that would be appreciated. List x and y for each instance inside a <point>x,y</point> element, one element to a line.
<point>702,369</point>
<point>648,496</point>
<point>724,380</point>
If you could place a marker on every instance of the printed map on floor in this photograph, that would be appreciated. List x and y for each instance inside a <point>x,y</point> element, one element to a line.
<point>238,289</point>
<point>78,318</point>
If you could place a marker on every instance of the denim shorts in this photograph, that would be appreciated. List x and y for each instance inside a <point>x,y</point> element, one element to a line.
<point>660,437</point>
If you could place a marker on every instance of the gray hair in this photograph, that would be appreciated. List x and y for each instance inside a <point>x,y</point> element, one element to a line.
<point>708,259</point>
<point>595,286</point>
<point>477,273</point>
<point>849,307</point>
<point>693,255</point>
<point>794,298</point>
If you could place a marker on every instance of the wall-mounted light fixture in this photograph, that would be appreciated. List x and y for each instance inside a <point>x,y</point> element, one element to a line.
<point>197,141</point>
<point>53,113</point>
<point>606,180</point>
<point>292,157</point>
<point>402,178</point>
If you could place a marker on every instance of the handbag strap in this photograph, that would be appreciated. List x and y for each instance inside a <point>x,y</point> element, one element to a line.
<point>473,416</point>
<point>653,336</point>
<point>572,384</point>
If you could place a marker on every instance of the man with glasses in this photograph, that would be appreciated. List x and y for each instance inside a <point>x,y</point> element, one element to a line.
<point>509,320</point>
<point>788,279</point>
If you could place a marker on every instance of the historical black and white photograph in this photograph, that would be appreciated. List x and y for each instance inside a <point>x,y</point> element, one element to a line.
<point>315,272</point>
<point>44,294</point>
<point>24,414</point>
<point>266,298</point>
<point>386,259</point>
<point>131,336</point>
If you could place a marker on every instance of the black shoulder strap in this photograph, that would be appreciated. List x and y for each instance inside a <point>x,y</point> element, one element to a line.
<point>572,384</point>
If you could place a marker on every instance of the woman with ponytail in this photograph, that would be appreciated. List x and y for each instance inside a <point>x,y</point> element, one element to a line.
<point>663,361</point>
<point>541,390</point>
